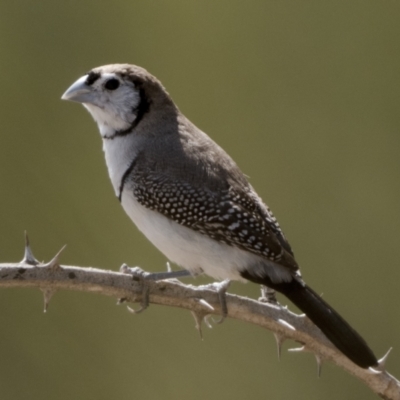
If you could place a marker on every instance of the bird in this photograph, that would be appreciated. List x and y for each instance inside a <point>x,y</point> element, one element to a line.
<point>191,200</point>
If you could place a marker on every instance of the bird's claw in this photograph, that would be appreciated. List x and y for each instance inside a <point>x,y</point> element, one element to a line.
<point>138,274</point>
<point>142,276</point>
<point>220,288</point>
<point>268,295</point>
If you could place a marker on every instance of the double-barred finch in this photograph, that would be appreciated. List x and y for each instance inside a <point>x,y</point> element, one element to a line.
<point>191,200</point>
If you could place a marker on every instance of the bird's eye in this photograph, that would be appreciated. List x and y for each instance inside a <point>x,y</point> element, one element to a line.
<point>112,84</point>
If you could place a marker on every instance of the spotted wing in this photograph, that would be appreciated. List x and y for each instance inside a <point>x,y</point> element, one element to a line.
<point>236,219</point>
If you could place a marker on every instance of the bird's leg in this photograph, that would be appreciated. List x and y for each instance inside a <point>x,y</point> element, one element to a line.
<point>141,276</point>
<point>220,288</point>
<point>159,276</point>
<point>144,277</point>
<point>268,295</point>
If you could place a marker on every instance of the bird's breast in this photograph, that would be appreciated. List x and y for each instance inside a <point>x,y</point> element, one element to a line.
<point>119,152</point>
<point>184,246</point>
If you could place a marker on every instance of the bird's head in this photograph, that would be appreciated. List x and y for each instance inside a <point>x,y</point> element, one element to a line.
<point>118,96</point>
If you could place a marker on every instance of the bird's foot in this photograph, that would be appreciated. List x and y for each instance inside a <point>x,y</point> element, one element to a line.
<point>138,274</point>
<point>144,277</point>
<point>268,295</point>
<point>220,288</point>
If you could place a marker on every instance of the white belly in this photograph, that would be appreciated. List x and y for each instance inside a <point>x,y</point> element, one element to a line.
<point>185,247</point>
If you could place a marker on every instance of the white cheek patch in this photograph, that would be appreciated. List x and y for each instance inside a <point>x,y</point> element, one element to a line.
<point>123,101</point>
<point>113,109</point>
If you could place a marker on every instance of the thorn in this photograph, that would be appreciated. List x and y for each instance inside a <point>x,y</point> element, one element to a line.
<point>374,371</point>
<point>29,258</point>
<point>303,349</point>
<point>319,360</point>
<point>279,341</point>
<point>169,269</point>
<point>298,349</point>
<point>47,295</point>
<point>54,262</point>
<point>286,324</point>
<point>207,321</point>
<point>133,311</point>
<point>382,361</point>
<point>198,319</point>
<point>318,357</point>
<point>121,300</point>
<point>204,303</point>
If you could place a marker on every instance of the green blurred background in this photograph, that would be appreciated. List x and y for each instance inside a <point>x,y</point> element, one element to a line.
<point>303,94</point>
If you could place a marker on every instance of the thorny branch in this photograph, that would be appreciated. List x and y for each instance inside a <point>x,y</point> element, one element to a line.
<point>201,301</point>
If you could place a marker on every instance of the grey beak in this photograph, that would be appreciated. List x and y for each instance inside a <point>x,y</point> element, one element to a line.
<point>79,91</point>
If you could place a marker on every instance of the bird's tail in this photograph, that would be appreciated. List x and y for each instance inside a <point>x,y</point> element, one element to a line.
<point>335,328</point>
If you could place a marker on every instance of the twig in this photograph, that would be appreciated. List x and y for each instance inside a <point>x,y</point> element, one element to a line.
<point>201,301</point>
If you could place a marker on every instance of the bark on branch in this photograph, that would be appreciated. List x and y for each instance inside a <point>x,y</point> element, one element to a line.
<point>200,300</point>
